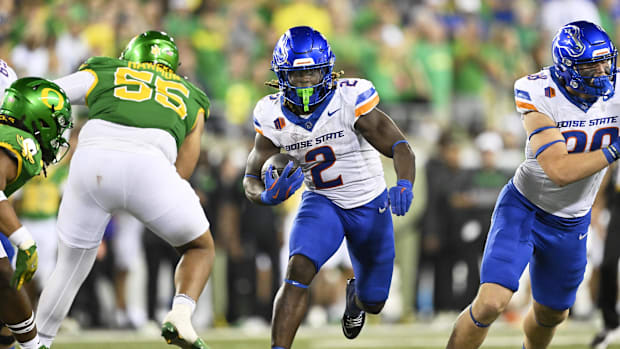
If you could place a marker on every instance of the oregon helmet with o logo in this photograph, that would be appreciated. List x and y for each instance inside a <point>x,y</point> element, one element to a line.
<point>153,46</point>
<point>40,107</point>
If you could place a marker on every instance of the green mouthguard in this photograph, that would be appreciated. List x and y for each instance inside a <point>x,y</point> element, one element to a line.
<point>305,94</point>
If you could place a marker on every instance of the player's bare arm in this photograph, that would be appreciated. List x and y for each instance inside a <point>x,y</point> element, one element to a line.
<point>561,167</point>
<point>263,149</point>
<point>380,131</point>
<point>189,152</point>
<point>8,218</point>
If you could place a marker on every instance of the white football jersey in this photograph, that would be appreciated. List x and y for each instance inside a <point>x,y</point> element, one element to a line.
<point>7,76</point>
<point>336,160</point>
<point>584,130</point>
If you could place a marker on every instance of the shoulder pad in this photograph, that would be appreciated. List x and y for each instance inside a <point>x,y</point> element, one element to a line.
<point>359,92</point>
<point>94,62</point>
<point>532,92</point>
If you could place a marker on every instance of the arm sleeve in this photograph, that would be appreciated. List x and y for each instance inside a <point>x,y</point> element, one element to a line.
<point>77,85</point>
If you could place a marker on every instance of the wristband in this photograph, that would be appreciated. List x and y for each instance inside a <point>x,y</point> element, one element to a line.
<point>2,196</point>
<point>611,153</point>
<point>251,176</point>
<point>22,238</point>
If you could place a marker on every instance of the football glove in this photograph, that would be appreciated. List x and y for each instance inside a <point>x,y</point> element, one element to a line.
<point>401,197</point>
<point>281,188</point>
<point>25,265</point>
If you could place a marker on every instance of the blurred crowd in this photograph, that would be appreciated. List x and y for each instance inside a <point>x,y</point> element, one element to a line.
<point>444,70</point>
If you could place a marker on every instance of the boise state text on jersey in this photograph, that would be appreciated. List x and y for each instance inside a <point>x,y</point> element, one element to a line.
<point>584,127</point>
<point>337,161</point>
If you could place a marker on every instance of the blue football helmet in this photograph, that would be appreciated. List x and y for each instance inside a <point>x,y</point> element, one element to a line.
<point>303,48</point>
<point>583,42</point>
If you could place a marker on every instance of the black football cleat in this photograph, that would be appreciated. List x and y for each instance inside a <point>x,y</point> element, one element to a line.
<point>353,318</point>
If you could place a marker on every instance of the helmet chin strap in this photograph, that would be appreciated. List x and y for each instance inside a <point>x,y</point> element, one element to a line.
<point>305,94</point>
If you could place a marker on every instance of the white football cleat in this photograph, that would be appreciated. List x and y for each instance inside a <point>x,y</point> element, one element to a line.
<point>178,330</point>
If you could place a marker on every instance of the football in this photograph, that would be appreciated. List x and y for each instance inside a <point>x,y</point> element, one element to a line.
<point>278,161</point>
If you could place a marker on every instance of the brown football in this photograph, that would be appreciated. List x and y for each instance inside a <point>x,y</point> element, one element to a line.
<point>279,162</point>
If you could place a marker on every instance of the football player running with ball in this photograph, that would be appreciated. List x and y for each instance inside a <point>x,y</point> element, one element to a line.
<point>134,154</point>
<point>33,117</point>
<point>337,133</point>
<point>571,115</point>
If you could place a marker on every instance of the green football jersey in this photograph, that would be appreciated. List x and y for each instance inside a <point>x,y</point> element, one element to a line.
<point>22,146</point>
<point>143,95</point>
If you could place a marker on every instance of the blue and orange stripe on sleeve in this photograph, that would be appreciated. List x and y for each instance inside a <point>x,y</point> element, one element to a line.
<point>366,101</point>
<point>257,127</point>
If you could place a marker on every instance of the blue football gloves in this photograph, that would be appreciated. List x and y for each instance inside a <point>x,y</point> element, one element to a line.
<point>280,189</point>
<point>401,197</point>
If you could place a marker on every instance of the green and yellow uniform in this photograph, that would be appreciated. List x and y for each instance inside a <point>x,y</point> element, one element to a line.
<point>143,95</point>
<point>25,149</point>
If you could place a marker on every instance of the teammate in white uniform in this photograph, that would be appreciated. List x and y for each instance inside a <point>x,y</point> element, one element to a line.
<point>336,132</point>
<point>571,115</point>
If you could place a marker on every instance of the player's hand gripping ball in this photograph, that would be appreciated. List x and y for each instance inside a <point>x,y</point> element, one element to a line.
<point>282,177</point>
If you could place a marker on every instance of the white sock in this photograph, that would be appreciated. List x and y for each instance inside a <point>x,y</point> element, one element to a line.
<point>183,299</point>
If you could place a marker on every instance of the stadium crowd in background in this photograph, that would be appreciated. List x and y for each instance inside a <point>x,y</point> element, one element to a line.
<point>444,69</point>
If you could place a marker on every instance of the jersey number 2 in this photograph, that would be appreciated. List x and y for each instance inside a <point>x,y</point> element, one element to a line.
<point>166,91</point>
<point>328,160</point>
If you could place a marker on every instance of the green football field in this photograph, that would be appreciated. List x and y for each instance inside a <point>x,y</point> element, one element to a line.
<point>571,335</point>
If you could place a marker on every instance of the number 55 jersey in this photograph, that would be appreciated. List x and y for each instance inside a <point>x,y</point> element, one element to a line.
<point>586,126</point>
<point>337,161</point>
<point>143,95</point>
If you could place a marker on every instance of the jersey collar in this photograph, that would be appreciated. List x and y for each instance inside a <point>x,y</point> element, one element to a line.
<point>309,122</point>
<point>583,104</point>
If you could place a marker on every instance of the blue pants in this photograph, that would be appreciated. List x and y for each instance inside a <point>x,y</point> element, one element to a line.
<point>320,227</point>
<point>555,248</point>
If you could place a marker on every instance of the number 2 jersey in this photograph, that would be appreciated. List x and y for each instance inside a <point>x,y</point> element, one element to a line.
<point>143,95</point>
<point>584,127</point>
<point>337,161</point>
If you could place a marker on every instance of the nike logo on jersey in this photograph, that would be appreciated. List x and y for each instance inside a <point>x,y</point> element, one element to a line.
<point>330,113</point>
<point>581,236</point>
<point>382,209</point>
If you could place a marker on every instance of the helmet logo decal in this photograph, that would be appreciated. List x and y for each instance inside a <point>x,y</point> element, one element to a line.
<point>573,45</point>
<point>56,99</point>
<point>155,50</point>
<point>29,148</point>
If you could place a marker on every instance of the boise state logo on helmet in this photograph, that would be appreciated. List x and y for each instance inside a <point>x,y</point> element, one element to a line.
<point>583,42</point>
<point>303,48</point>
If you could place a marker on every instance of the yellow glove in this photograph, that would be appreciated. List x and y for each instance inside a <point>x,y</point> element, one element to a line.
<point>25,266</point>
<point>27,257</point>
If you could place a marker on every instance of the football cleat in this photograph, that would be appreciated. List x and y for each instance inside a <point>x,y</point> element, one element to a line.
<point>172,336</point>
<point>603,338</point>
<point>353,318</point>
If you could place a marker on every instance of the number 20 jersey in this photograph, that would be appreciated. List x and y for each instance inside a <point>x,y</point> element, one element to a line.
<point>584,130</point>
<point>337,161</point>
<point>143,95</point>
